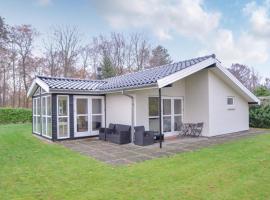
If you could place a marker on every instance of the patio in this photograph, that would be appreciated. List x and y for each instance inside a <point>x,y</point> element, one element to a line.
<point>129,154</point>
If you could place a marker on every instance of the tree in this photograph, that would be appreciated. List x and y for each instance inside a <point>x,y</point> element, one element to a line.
<point>67,44</point>
<point>51,59</point>
<point>267,83</point>
<point>262,91</point>
<point>246,75</point>
<point>3,32</point>
<point>141,50</point>
<point>107,68</point>
<point>23,38</point>
<point>160,56</point>
<point>3,61</point>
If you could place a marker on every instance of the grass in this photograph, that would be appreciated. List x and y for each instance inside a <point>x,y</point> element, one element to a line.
<point>32,169</point>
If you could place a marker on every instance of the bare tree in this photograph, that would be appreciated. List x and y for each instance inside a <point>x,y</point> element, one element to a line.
<point>23,37</point>
<point>67,43</point>
<point>85,55</point>
<point>141,50</point>
<point>246,75</point>
<point>51,59</point>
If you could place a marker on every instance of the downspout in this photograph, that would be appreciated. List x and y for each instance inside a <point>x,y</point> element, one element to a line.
<point>132,114</point>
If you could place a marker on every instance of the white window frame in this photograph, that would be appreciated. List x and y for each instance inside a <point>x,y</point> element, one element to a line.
<point>230,106</point>
<point>90,131</point>
<point>152,117</point>
<point>46,116</point>
<point>36,116</point>
<point>102,114</point>
<point>172,115</point>
<point>67,116</point>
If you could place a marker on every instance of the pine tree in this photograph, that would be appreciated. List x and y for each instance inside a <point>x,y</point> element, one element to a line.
<point>107,68</point>
<point>160,56</point>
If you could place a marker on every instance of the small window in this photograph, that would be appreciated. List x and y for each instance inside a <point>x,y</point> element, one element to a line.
<point>230,101</point>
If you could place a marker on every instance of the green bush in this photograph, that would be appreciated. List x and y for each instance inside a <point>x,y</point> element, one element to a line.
<point>15,115</point>
<point>259,116</point>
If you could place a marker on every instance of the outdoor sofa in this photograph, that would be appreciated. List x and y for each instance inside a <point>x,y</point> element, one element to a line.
<point>116,133</point>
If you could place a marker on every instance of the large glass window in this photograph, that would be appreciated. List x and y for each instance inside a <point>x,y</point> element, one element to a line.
<point>167,115</point>
<point>172,114</point>
<point>46,117</point>
<point>63,118</point>
<point>36,115</point>
<point>153,107</point>
<point>96,114</point>
<point>178,114</point>
<point>82,114</point>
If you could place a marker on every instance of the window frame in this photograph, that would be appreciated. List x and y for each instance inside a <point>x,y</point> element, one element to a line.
<point>230,106</point>
<point>172,115</point>
<point>153,116</point>
<point>46,115</point>
<point>61,116</point>
<point>36,115</point>
<point>102,114</point>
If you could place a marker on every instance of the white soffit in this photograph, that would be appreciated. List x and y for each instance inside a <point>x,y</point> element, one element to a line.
<point>185,72</point>
<point>37,82</point>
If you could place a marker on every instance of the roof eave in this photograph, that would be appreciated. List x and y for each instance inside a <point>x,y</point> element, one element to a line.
<point>252,99</point>
<point>186,72</point>
<point>37,82</point>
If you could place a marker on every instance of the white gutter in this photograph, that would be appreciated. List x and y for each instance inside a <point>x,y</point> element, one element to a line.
<point>132,113</point>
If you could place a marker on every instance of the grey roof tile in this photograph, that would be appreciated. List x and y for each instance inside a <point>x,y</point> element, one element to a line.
<point>141,78</point>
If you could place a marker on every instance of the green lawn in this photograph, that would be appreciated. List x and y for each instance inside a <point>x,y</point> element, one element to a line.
<point>32,169</point>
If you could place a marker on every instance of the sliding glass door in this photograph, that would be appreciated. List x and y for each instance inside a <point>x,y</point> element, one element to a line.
<point>88,115</point>
<point>171,111</point>
<point>172,114</point>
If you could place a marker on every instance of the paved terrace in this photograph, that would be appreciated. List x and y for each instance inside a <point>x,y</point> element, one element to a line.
<point>128,154</point>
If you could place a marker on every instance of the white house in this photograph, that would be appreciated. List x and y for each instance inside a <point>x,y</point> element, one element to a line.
<point>190,91</point>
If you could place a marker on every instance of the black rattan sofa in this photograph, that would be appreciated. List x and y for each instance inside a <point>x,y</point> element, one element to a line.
<point>116,133</point>
<point>104,132</point>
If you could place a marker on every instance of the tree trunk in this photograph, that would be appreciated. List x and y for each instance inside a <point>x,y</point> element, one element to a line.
<point>4,86</point>
<point>14,83</point>
<point>25,83</point>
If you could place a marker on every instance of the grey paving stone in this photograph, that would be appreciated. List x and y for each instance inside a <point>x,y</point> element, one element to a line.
<point>139,158</point>
<point>128,154</point>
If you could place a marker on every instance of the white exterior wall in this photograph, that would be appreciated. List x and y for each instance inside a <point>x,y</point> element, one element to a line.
<point>118,109</point>
<point>223,118</point>
<point>197,100</point>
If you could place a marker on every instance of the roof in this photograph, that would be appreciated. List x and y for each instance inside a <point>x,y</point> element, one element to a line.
<point>59,83</point>
<point>149,76</point>
<point>141,78</point>
<point>159,77</point>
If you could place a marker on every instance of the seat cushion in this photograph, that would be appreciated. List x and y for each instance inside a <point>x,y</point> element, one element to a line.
<point>139,128</point>
<point>111,126</point>
<point>121,127</point>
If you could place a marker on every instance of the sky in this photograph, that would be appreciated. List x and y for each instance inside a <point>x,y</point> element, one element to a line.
<point>237,31</point>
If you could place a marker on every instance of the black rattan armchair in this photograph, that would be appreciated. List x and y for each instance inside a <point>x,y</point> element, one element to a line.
<point>142,137</point>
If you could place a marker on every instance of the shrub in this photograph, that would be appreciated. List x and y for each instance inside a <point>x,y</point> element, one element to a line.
<point>15,115</point>
<point>259,116</point>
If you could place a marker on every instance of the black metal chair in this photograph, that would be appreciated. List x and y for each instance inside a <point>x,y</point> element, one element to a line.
<point>196,131</point>
<point>104,132</point>
<point>142,137</point>
<point>185,129</point>
<point>120,135</point>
